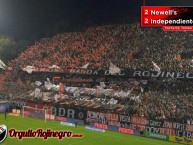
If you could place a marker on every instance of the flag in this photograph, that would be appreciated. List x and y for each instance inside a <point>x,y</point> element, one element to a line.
<point>102,85</point>
<point>37,93</point>
<point>179,57</point>
<point>156,67</point>
<point>85,66</point>
<point>54,66</point>
<point>137,99</point>
<point>130,56</point>
<point>180,65</point>
<point>38,83</point>
<point>61,86</point>
<point>191,63</point>
<point>127,93</point>
<point>111,102</point>
<point>144,82</point>
<point>56,98</point>
<point>2,65</point>
<point>29,69</point>
<point>114,69</point>
<point>55,87</point>
<point>142,90</point>
<point>48,84</point>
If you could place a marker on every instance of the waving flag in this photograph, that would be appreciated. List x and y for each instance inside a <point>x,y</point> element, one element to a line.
<point>156,67</point>
<point>2,65</point>
<point>85,66</point>
<point>37,92</point>
<point>29,69</point>
<point>61,87</point>
<point>38,83</point>
<point>142,90</point>
<point>48,84</point>
<point>144,82</point>
<point>102,84</point>
<point>54,66</point>
<point>113,69</point>
<point>191,63</point>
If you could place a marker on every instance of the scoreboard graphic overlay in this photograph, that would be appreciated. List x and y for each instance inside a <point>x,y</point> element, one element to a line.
<point>168,17</point>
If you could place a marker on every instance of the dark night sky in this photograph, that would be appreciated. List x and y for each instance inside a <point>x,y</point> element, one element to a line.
<point>33,19</point>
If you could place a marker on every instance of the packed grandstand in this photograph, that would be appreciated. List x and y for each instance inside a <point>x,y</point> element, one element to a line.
<point>72,69</point>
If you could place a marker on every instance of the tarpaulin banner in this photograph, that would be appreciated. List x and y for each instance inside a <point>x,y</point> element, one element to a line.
<point>181,140</point>
<point>101,126</point>
<point>122,73</point>
<point>155,123</point>
<point>70,112</point>
<point>125,121</point>
<point>189,127</point>
<point>71,120</point>
<point>58,110</point>
<point>156,136</point>
<point>126,130</point>
<point>63,119</point>
<point>104,118</point>
<point>184,133</point>
<point>139,120</point>
<point>67,124</point>
<point>160,130</point>
<point>110,118</point>
<point>94,129</point>
<point>113,128</point>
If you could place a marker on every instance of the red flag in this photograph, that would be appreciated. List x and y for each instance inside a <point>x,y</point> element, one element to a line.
<point>156,67</point>
<point>179,57</point>
<point>61,87</point>
<point>130,56</point>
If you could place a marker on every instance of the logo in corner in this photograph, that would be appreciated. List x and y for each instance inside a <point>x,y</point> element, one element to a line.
<point>3,133</point>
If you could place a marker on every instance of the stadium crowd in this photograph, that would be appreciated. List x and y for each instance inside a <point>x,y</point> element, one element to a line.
<point>127,46</point>
<point>121,44</point>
